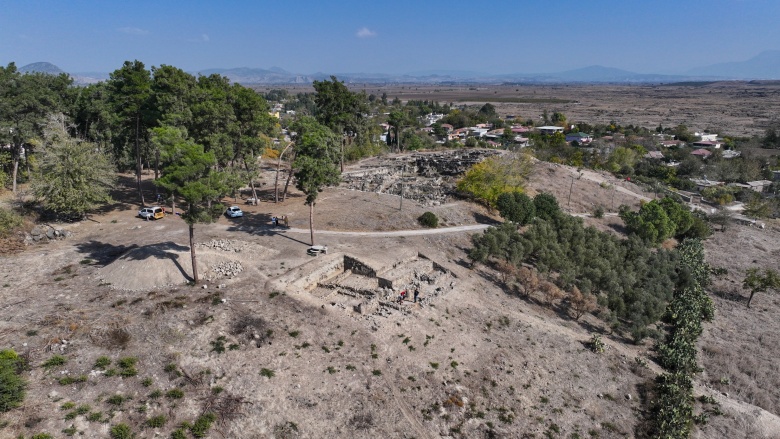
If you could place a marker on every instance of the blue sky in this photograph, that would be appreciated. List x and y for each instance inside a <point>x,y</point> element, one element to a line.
<point>400,36</point>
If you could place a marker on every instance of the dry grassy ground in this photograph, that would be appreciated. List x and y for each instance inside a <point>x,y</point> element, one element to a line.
<point>475,361</point>
<point>727,108</point>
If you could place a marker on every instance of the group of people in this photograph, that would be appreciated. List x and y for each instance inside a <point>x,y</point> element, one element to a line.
<point>404,294</point>
<point>283,219</point>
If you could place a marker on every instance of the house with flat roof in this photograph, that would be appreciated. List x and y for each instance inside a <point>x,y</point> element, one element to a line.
<point>581,138</point>
<point>550,129</point>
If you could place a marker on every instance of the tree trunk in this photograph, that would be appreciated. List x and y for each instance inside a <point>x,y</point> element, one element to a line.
<point>752,293</point>
<point>311,222</point>
<point>16,169</point>
<point>138,160</point>
<point>278,167</point>
<point>192,253</point>
<point>289,177</point>
<point>251,184</point>
<point>156,171</point>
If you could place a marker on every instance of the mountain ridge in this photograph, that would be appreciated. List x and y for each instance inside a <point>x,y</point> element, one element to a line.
<point>764,66</point>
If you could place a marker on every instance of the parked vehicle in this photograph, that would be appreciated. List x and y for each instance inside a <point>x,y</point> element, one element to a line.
<point>316,250</point>
<point>154,212</point>
<point>234,212</point>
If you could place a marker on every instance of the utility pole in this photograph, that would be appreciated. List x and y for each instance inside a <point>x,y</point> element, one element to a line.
<point>568,206</point>
<point>401,205</point>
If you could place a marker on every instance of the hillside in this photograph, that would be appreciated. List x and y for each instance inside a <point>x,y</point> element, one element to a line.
<point>279,344</point>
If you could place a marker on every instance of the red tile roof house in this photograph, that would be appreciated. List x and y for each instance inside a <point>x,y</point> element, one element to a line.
<point>703,153</point>
<point>447,127</point>
<point>519,129</point>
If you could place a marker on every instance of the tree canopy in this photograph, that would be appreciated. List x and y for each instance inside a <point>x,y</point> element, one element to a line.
<point>496,175</point>
<point>72,176</point>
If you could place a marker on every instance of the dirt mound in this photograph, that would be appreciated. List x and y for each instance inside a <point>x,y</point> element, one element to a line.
<point>167,264</point>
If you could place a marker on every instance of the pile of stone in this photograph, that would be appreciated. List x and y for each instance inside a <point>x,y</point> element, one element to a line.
<point>427,178</point>
<point>225,269</point>
<point>223,244</point>
<point>45,233</point>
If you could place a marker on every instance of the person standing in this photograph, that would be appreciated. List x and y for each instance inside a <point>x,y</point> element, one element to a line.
<point>416,294</point>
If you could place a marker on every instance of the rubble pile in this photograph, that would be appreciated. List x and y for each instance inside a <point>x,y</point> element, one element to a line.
<point>427,178</point>
<point>224,269</point>
<point>44,233</point>
<point>223,244</point>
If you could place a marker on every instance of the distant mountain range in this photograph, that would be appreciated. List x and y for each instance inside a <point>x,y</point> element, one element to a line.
<point>765,65</point>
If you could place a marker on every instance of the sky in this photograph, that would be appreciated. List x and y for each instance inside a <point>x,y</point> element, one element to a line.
<point>400,36</point>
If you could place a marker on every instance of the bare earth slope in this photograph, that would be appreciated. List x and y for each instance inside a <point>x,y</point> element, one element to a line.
<point>326,358</point>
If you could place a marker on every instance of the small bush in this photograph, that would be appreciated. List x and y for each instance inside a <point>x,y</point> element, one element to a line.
<point>598,212</point>
<point>268,373</point>
<point>68,380</point>
<point>202,425</point>
<point>68,405</point>
<point>156,421</point>
<point>121,431</point>
<point>116,400</point>
<point>174,394</point>
<point>147,382</point>
<point>127,362</point>
<point>56,360</point>
<point>95,417</point>
<point>429,219</point>
<point>102,362</point>
<point>9,220</point>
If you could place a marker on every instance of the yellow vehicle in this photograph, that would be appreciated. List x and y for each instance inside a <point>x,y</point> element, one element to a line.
<point>154,212</point>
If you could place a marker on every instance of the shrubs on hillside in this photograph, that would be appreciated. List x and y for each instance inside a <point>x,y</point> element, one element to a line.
<point>658,220</point>
<point>429,219</point>
<point>631,280</point>
<point>12,385</point>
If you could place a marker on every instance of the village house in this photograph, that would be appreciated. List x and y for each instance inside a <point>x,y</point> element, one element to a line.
<point>580,138</point>
<point>708,144</point>
<point>703,153</point>
<point>549,130</point>
<point>656,155</point>
<point>671,143</point>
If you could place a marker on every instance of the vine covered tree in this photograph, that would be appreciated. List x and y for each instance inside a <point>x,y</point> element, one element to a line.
<point>72,176</point>
<point>496,175</point>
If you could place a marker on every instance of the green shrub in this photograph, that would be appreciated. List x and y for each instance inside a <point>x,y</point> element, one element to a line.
<point>268,373</point>
<point>127,362</point>
<point>174,394</point>
<point>121,431</point>
<point>202,425</point>
<point>429,219</point>
<point>68,380</point>
<point>102,362</point>
<point>156,421</point>
<point>56,360</point>
<point>9,220</point>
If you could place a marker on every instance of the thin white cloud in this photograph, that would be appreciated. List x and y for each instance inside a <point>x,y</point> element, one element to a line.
<point>133,31</point>
<point>205,38</point>
<point>365,32</point>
